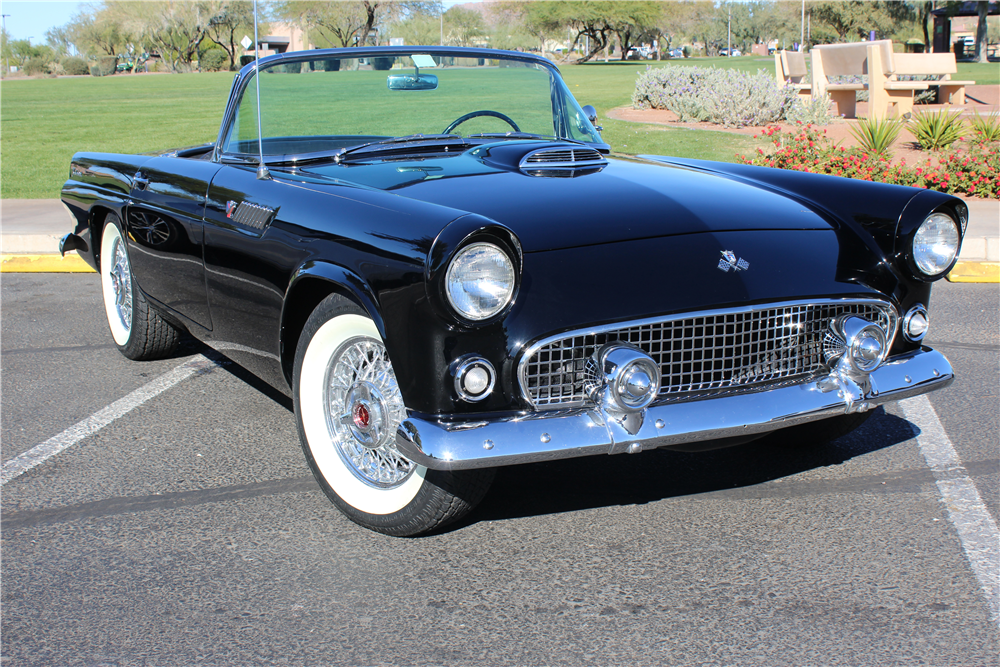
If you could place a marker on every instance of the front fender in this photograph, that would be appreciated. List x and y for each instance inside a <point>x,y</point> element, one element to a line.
<point>310,283</point>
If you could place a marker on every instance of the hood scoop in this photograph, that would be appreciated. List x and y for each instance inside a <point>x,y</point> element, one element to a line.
<point>562,162</point>
<point>549,160</point>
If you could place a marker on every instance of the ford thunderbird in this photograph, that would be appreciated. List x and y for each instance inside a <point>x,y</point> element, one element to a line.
<point>433,252</point>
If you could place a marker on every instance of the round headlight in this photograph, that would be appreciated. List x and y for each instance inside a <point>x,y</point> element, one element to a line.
<point>480,281</point>
<point>935,244</point>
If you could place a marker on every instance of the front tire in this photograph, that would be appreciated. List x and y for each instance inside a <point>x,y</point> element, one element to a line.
<point>139,331</point>
<point>348,406</point>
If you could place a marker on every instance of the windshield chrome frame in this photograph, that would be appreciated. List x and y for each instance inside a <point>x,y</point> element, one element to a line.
<point>246,74</point>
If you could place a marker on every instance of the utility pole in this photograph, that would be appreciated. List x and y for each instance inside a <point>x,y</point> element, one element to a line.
<point>7,58</point>
<point>729,32</point>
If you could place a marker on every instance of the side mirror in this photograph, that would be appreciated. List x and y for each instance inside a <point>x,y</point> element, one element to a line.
<point>591,113</point>
<point>412,82</point>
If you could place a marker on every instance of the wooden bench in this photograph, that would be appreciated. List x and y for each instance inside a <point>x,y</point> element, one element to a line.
<point>790,70</point>
<point>846,60</point>
<point>890,96</point>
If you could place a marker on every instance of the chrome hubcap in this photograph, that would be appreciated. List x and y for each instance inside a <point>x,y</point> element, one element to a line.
<point>363,409</point>
<point>121,282</point>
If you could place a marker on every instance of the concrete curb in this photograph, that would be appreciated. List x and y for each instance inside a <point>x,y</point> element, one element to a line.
<point>47,263</point>
<point>975,272</point>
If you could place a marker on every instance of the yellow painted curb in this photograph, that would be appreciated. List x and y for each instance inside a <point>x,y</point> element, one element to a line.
<point>51,263</point>
<point>975,272</point>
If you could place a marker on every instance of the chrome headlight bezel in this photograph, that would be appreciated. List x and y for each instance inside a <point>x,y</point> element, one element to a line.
<point>479,256</point>
<point>934,245</point>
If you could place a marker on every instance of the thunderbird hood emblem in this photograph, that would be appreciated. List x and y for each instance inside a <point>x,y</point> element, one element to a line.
<point>729,261</point>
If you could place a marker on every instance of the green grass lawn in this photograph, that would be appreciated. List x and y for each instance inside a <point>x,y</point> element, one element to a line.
<point>44,121</point>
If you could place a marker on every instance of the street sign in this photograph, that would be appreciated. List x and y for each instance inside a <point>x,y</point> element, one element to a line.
<point>246,42</point>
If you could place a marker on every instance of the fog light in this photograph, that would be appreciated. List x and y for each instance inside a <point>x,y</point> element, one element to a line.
<point>474,378</point>
<point>623,378</point>
<point>915,323</point>
<point>860,342</point>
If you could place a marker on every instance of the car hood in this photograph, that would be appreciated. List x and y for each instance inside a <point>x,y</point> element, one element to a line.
<point>627,199</point>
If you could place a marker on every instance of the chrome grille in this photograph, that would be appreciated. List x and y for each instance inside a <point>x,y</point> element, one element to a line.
<point>700,354</point>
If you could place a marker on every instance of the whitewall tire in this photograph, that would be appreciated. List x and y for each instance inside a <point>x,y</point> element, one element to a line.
<point>138,330</point>
<point>348,406</point>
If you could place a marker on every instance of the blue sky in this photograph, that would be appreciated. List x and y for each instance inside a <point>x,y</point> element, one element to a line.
<point>32,19</point>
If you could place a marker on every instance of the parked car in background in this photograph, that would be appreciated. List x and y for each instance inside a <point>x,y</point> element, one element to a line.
<point>435,254</point>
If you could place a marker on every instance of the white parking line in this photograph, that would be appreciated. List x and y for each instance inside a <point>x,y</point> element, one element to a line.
<point>40,453</point>
<point>976,527</point>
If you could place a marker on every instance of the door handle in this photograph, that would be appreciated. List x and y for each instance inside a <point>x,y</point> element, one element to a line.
<point>139,182</point>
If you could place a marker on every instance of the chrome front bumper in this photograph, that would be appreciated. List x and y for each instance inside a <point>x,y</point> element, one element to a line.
<point>558,434</point>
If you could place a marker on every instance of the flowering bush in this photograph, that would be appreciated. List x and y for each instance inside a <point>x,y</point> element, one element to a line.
<point>725,97</point>
<point>968,169</point>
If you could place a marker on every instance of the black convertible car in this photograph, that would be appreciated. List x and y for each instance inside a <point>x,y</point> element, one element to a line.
<point>435,254</point>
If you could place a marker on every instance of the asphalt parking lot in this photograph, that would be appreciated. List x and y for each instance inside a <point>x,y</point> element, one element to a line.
<point>182,527</point>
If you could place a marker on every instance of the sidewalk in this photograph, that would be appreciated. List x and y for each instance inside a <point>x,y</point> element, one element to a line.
<point>30,230</point>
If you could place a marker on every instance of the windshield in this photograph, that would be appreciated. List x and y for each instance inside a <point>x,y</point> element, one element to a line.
<point>313,105</point>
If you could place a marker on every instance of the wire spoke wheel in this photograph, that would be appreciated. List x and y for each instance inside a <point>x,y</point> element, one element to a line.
<point>364,407</point>
<point>139,331</point>
<point>348,406</point>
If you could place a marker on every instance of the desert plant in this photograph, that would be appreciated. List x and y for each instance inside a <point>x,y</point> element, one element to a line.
<point>814,112</point>
<point>877,135</point>
<point>213,60</point>
<point>726,97</point>
<point>75,66</point>
<point>985,129</point>
<point>103,66</point>
<point>938,130</point>
<point>36,66</point>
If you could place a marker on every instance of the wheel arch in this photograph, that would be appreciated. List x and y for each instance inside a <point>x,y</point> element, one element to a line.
<point>310,284</point>
<point>96,219</point>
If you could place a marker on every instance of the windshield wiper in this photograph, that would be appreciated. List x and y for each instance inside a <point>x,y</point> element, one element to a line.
<point>394,143</point>
<point>401,143</point>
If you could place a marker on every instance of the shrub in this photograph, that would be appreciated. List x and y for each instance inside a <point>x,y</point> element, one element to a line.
<point>103,66</point>
<point>213,60</point>
<point>971,170</point>
<point>985,130</point>
<point>877,135</point>
<point>75,66</point>
<point>725,97</point>
<point>814,112</point>
<point>935,131</point>
<point>36,66</point>
<point>687,51</point>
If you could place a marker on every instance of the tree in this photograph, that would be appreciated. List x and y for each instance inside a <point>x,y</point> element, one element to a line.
<point>981,32</point>
<point>233,19</point>
<point>97,32</point>
<point>174,28</point>
<point>424,30</point>
<point>343,23</point>
<point>854,19</point>
<point>59,39</point>
<point>463,27</point>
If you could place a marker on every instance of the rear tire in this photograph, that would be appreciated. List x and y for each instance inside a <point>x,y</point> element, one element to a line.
<point>139,331</point>
<point>347,407</point>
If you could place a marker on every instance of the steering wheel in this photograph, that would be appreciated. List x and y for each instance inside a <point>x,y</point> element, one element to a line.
<point>477,114</point>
